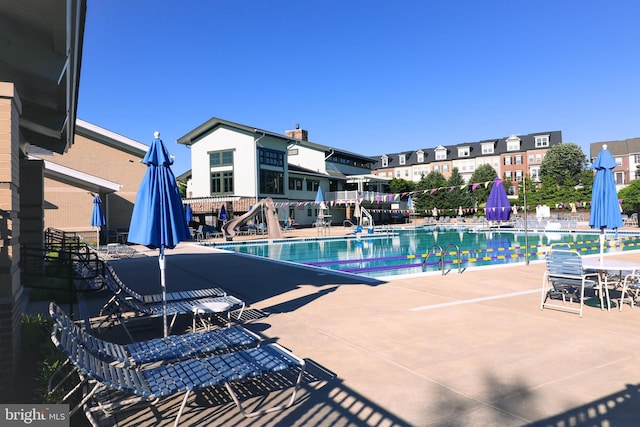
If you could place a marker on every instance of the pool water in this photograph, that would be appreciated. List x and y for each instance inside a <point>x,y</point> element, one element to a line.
<point>410,251</point>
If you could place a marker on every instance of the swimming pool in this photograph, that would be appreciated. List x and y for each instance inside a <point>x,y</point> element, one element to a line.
<point>410,251</point>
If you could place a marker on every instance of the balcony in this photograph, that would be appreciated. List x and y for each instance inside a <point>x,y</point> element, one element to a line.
<point>341,196</point>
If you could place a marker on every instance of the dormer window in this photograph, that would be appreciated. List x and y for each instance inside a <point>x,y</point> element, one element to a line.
<point>402,159</point>
<point>441,153</point>
<point>513,143</point>
<point>420,156</point>
<point>542,141</point>
<point>385,161</point>
<point>487,148</point>
<point>463,151</point>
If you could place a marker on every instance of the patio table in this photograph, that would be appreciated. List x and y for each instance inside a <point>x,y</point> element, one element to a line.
<point>605,269</point>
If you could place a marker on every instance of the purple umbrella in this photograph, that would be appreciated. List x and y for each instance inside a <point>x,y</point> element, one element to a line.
<point>498,207</point>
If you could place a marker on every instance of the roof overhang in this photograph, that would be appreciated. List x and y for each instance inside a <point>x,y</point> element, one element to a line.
<point>78,179</point>
<point>41,54</point>
<point>110,138</point>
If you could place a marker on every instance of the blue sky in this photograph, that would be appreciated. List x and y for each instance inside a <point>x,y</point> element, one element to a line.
<point>371,77</point>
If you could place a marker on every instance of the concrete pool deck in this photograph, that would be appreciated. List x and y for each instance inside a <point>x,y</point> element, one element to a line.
<point>456,350</point>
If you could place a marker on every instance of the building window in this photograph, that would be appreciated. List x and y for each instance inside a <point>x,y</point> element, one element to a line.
<point>436,168</point>
<point>312,185</point>
<point>271,182</point>
<point>538,158</point>
<point>463,151</point>
<point>406,173</point>
<point>618,161</point>
<point>518,160</point>
<point>542,141</point>
<point>385,161</point>
<point>636,158</point>
<point>402,159</point>
<point>513,143</point>
<point>222,182</point>
<point>295,184</point>
<point>221,158</point>
<point>535,174</point>
<point>487,148</point>
<point>445,168</point>
<point>420,155</point>
<point>519,175</point>
<point>441,153</point>
<point>530,158</point>
<point>270,157</point>
<point>507,160</point>
<point>507,175</point>
<point>619,178</point>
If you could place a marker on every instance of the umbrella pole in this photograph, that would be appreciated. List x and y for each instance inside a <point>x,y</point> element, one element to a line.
<point>161,262</point>
<point>602,238</point>
<point>98,237</point>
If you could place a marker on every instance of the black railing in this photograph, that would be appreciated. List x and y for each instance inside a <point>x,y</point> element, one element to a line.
<point>66,264</point>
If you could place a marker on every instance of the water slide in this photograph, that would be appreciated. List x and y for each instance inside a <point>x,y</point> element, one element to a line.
<point>273,225</point>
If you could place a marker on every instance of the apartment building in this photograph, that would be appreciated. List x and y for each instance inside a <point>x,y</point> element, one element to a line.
<point>626,153</point>
<point>513,158</point>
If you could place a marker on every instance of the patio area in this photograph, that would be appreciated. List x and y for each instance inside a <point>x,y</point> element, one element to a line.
<point>454,350</point>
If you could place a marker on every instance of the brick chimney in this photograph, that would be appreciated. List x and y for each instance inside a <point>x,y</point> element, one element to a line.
<point>298,133</point>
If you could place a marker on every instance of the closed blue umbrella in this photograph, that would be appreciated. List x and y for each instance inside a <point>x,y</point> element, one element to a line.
<point>97,217</point>
<point>188,213</point>
<point>158,219</point>
<point>223,214</point>
<point>605,210</point>
<point>320,198</point>
<point>498,207</point>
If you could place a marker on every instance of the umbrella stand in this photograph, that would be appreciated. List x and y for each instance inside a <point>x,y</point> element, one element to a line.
<point>162,263</point>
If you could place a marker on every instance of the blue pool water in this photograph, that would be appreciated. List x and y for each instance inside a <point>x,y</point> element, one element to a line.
<point>410,251</point>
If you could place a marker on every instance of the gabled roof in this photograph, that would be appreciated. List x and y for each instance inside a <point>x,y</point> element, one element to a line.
<point>475,150</point>
<point>213,123</point>
<point>41,54</point>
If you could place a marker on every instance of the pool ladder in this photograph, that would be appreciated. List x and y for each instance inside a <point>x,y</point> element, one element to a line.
<point>443,254</point>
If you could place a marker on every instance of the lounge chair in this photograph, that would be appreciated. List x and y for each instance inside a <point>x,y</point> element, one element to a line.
<point>115,285</point>
<point>179,377</point>
<point>564,278</point>
<point>125,299</point>
<point>167,349</point>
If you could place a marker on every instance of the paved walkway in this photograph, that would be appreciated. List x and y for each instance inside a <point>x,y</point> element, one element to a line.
<point>465,349</point>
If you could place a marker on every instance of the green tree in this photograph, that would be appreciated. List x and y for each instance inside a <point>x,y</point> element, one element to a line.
<point>399,186</point>
<point>563,162</point>
<point>481,175</point>
<point>458,197</point>
<point>425,201</point>
<point>630,196</point>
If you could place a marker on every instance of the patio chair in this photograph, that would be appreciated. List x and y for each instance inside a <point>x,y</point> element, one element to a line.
<point>167,349</point>
<point>259,363</point>
<point>564,278</point>
<point>630,288</point>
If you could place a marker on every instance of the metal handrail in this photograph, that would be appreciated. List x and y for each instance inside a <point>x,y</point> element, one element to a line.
<point>443,254</point>
<point>459,258</point>
<point>441,261</point>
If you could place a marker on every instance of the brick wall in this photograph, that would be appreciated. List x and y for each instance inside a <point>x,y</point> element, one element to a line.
<point>10,287</point>
<point>69,208</point>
